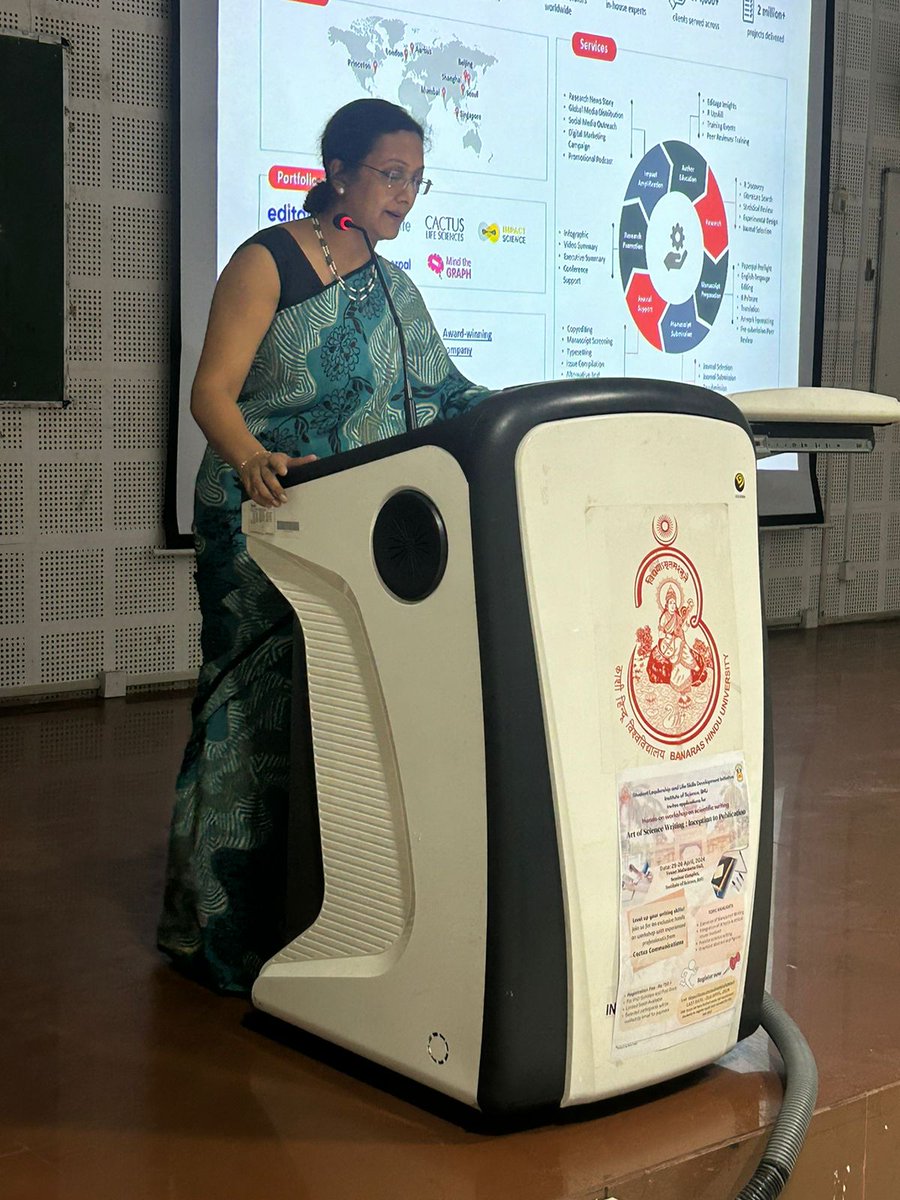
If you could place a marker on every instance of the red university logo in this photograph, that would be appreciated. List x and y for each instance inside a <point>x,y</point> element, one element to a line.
<point>674,673</point>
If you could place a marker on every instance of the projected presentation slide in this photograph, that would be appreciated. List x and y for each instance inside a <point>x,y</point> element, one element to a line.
<point>619,188</point>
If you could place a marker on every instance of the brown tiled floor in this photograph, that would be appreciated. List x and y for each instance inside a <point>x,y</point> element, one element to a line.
<point>121,1081</point>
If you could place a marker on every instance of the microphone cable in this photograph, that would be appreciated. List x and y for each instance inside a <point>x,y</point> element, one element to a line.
<point>344,221</point>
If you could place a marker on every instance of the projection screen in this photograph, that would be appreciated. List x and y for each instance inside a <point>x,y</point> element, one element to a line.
<point>626,189</point>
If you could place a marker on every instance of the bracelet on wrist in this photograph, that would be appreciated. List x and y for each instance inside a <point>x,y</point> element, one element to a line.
<point>250,458</point>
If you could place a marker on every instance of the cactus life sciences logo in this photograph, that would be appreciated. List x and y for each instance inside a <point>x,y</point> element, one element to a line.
<point>447,228</point>
<point>444,228</point>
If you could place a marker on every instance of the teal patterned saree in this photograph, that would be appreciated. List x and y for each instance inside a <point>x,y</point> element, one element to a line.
<point>326,378</point>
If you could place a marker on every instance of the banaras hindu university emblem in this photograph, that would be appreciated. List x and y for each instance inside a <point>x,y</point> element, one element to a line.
<point>673,678</point>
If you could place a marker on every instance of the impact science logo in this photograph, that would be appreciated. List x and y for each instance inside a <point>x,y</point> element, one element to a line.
<point>495,233</point>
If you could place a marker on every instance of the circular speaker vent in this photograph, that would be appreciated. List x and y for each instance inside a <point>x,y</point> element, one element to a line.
<point>409,545</point>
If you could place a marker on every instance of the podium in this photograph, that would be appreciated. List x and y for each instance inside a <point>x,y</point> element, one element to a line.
<point>534,787</point>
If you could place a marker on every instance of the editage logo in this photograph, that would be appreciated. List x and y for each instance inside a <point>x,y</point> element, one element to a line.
<point>291,179</point>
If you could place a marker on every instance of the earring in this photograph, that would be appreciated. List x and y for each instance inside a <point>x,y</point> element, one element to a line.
<point>340,189</point>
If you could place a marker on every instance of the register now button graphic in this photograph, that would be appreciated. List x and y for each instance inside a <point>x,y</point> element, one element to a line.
<point>591,45</point>
<point>298,179</point>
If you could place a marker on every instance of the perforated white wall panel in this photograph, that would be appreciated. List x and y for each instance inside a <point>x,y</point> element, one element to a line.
<point>81,589</point>
<point>852,569</point>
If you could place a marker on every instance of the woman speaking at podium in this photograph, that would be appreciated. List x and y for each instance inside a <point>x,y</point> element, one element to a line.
<point>300,361</point>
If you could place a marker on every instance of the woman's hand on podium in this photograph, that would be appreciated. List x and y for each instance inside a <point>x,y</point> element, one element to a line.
<point>259,476</point>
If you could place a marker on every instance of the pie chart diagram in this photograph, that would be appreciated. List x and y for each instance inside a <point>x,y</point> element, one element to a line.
<point>673,247</point>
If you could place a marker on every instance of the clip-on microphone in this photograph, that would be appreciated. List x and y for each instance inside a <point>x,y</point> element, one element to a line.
<point>344,221</point>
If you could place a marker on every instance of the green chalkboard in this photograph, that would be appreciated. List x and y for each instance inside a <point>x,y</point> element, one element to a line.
<point>32,221</point>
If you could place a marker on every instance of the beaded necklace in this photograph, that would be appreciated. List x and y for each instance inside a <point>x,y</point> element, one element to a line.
<point>352,293</point>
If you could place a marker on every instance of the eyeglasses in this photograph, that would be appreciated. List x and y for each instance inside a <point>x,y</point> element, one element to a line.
<point>396,179</point>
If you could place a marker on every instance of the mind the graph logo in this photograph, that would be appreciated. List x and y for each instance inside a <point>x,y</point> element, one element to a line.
<point>674,673</point>
<point>673,247</point>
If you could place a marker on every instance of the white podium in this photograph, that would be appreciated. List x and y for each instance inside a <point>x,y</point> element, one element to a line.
<point>534,772</point>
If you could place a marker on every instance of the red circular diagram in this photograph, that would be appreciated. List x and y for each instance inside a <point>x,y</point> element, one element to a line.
<point>673,247</point>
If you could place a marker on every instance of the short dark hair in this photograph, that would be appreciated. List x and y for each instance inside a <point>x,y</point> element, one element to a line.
<point>351,133</point>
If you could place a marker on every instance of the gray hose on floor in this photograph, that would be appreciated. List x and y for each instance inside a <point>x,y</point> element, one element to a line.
<point>800,1087</point>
